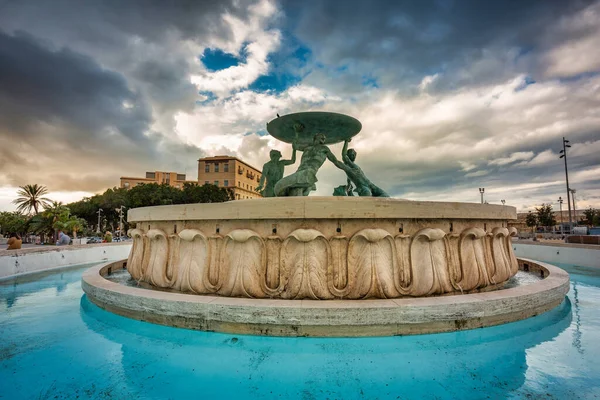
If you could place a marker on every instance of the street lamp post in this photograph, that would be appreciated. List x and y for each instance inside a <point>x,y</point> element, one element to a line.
<point>99,212</point>
<point>574,206</point>
<point>563,154</point>
<point>503,201</point>
<point>120,210</point>
<point>560,201</point>
<point>481,190</point>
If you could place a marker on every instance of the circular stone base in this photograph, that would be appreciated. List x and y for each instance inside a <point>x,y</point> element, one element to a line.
<point>404,316</point>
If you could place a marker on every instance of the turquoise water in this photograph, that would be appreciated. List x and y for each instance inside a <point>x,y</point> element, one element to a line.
<point>55,344</point>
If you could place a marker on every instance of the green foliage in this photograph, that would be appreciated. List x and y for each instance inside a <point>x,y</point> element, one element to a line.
<point>531,219</point>
<point>592,217</point>
<point>41,225</point>
<point>150,194</point>
<point>71,224</point>
<point>545,216</point>
<point>80,215</point>
<point>153,194</point>
<point>31,198</point>
<point>207,193</point>
<point>13,222</point>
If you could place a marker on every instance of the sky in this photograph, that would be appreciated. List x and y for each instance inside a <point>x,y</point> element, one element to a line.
<point>452,95</point>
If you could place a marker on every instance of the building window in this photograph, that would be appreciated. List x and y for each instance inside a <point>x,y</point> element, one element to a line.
<point>225,182</point>
<point>239,184</point>
<point>225,167</point>
<point>150,175</point>
<point>216,183</point>
<point>216,167</point>
<point>207,168</point>
<point>181,177</point>
<point>206,182</point>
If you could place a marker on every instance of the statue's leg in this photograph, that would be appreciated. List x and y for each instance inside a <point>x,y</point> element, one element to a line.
<point>363,191</point>
<point>378,192</point>
<point>297,191</point>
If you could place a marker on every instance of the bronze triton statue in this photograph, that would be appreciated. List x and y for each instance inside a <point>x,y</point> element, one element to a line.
<point>306,133</point>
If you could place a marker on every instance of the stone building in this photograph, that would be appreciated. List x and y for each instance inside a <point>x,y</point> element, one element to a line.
<point>174,179</point>
<point>231,172</point>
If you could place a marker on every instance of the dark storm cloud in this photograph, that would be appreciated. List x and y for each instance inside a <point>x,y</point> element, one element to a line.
<point>89,89</point>
<point>73,124</point>
<point>40,85</point>
<point>402,41</point>
<point>97,21</point>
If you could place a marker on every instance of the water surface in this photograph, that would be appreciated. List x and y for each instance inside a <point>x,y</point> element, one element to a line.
<point>55,344</point>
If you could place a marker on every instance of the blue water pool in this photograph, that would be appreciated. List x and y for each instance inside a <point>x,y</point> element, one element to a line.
<point>55,344</point>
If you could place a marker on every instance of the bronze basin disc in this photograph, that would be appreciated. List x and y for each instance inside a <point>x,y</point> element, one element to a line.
<point>336,127</point>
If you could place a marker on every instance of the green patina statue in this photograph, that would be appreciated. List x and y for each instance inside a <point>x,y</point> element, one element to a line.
<point>303,181</point>
<point>364,187</point>
<point>343,190</point>
<point>304,131</point>
<point>272,172</point>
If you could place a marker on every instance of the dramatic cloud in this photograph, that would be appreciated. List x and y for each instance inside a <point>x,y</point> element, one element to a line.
<point>452,96</point>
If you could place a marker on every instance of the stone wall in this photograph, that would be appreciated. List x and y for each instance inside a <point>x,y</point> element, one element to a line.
<point>29,260</point>
<point>560,253</point>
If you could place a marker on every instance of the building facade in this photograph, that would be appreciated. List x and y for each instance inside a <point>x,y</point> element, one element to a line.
<point>170,178</point>
<point>230,172</point>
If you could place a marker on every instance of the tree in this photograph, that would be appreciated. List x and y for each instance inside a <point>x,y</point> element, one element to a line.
<point>207,193</point>
<point>150,194</point>
<point>13,222</point>
<point>57,213</point>
<point>31,198</point>
<point>71,224</point>
<point>545,216</point>
<point>531,220</point>
<point>592,216</point>
<point>41,225</point>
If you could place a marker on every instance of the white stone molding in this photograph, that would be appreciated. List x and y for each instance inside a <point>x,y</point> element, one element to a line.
<point>306,264</point>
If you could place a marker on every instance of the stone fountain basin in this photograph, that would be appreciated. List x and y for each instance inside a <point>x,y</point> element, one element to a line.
<point>323,248</point>
<point>329,318</point>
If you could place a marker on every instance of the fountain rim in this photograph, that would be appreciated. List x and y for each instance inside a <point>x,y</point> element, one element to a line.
<point>321,318</point>
<point>314,207</point>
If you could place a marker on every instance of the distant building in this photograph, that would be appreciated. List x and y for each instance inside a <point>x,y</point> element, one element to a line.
<point>170,178</point>
<point>230,172</point>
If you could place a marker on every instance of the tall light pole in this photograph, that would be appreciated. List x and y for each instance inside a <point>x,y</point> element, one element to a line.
<point>502,201</point>
<point>99,212</point>
<point>560,201</point>
<point>563,154</point>
<point>481,190</point>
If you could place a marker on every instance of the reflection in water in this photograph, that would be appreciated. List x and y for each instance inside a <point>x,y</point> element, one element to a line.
<point>72,348</point>
<point>419,366</point>
<point>577,332</point>
<point>13,289</point>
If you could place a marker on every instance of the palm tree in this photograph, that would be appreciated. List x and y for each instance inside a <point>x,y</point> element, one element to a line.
<point>72,224</point>
<point>31,198</point>
<point>56,212</point>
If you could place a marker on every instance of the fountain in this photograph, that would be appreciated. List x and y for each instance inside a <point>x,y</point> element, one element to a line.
<point>355,264</point>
